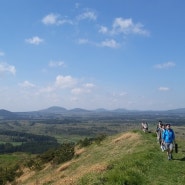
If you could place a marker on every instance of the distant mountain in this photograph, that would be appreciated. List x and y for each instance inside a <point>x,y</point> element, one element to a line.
<point>79,110</point>
<point>5,114</point>
<point>101,110</point>
<point>121,110</point>
<point>54,109</point>
<point>58,112</point>
<point>180,110</point>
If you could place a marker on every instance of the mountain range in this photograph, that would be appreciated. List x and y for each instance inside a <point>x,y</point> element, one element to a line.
<point>56,111</point>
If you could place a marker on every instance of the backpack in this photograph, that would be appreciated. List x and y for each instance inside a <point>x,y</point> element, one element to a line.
<point>176,148</point>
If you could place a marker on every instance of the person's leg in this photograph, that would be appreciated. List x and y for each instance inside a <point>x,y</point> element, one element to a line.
<point>160,141</point>
<point>162,147</point>
<point>167,145</point>
<point>170,150</point>
<point>168,154</point>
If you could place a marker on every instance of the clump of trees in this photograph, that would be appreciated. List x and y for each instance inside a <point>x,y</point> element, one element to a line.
<point>9,174</point>
<point>29,143</point>
<point>55,155</point>
<point>88,141</point>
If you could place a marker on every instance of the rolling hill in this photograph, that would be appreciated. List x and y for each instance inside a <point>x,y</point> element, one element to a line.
<point>123,159</point>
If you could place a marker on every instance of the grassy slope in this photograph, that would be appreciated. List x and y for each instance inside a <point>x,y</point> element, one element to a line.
<point>131,158</point>
<point>9,160</point>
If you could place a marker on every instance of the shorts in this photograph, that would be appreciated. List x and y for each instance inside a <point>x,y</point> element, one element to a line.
<point>169,146</point>
<point>163,147</point>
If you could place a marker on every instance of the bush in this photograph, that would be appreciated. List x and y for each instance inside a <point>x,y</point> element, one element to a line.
<point>62,154</point>
<point>88,141</point>
<point>9,174</point>
<point>100,138</point>
<point>34,164</point>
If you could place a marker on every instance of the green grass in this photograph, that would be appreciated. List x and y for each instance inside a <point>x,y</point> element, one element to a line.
<point>9,160</point>
<point>146,165</point>
<point>129,158</point>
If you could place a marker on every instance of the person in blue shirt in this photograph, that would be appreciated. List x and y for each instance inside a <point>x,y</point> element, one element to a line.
<point>168,138</point>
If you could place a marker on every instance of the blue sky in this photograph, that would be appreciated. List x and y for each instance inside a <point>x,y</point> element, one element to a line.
<point>92,54</point>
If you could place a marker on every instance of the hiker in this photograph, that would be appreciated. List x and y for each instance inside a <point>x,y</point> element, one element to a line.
<point>159,132</point>
<point>144,126</point>
<point>168,138</point>
<point>162,146</point>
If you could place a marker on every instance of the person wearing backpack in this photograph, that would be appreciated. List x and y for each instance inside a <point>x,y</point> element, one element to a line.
<point>168,138</point>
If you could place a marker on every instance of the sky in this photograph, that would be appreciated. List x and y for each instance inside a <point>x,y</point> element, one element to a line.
<point>92,54</point>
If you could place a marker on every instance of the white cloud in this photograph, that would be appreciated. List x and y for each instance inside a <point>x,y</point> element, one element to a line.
<point>56,63</point>
<point>86,88</point>
<point>65,81</point>
<point>124,26</point>
<point>127,26</point>
<point>163,88</point>
<point>4,68</point>
<point>110,43</point>
<point>50,19</point>
<point>54,19</point>
<point>34,40</point>
<point>89,85</point>
<point>77,91</point>
<point>26,84</point>
<point>165,65</point>
<point>90,15</point>
<point>103,29</point>
<point>61,82</point>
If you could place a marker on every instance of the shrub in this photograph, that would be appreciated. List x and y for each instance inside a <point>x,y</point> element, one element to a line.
<point>86,142</point>
<point>9,174</point>
<point>100,138</point>
<point>62,154</point>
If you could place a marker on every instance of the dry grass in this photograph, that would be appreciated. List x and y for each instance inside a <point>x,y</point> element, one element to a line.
<point>127,136</point>
<point>93,159</point>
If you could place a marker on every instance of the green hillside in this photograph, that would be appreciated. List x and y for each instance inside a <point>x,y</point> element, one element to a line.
<point>131,158</point>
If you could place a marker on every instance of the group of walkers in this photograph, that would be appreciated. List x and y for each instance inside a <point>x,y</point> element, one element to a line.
<point>165,138</point>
